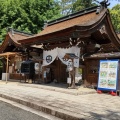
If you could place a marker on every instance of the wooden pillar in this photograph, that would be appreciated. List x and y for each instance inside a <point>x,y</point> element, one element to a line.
<point>59,70</point>
<point>7,69</point>
<point>13,66</point>
<point>39,71</point>
<point>43,79</point>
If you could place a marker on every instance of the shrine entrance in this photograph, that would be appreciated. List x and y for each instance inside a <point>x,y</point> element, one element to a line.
<point>56,65</point>
<point>58,71</point>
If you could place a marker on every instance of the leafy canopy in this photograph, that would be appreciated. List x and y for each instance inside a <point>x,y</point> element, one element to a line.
<point>115,17</point>
<point>30,15</point>
<point>26,15</point>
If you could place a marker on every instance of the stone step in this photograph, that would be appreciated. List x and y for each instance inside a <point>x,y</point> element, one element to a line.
<point>60,113</point>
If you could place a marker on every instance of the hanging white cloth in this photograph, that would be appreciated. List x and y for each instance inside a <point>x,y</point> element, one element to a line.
<point>49,56</point>
<point>63,51</point>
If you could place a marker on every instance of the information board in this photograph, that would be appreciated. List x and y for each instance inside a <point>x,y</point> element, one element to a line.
<point>108,74</point>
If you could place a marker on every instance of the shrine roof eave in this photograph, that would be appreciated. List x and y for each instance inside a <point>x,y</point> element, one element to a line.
<point>85,31</point>
<point>86,20</point>
<point>51,37</point>
<point>104,56</point>
<point>11,39</point>
<point>5,43</point>
<point>16,35</point>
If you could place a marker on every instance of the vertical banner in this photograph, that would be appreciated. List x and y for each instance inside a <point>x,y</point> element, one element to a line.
<point>108,74</point>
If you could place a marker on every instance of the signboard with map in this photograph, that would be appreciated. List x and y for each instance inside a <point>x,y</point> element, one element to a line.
<point>108,75</point>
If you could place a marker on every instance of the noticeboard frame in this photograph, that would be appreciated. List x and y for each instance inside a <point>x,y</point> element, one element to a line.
<point>117,69</point>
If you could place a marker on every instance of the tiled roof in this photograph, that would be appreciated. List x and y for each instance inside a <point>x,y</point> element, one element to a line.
<point>18,36</point>
<point>85,23</point>
<point>83,20</point>
<point>13,37</point>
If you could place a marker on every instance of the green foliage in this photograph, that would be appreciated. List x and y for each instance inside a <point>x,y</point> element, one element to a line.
<point>66,6</point>
<point>82,4</point>
<point>115,17</point>
<point>70,6</point>
<point>26,15</point>
<point>29,15</point>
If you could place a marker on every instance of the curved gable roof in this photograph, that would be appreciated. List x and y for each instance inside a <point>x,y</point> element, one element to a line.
<point>18,36</point>
<point>86,22</point>
<point>13,38</point>
<point>84,18</point>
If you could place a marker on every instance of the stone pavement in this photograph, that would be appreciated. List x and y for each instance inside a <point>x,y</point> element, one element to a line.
<point>72,105</point>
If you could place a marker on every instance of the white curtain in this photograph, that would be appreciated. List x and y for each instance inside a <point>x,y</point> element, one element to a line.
<point>49,56</point>
<point>63,51</point>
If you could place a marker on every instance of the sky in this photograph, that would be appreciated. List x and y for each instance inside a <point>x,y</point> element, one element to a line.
<point>112,3</point>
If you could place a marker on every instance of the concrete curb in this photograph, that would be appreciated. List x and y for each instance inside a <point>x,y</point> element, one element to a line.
<point>49,88</point>
<point>46,109</point>
<point>59,90</point>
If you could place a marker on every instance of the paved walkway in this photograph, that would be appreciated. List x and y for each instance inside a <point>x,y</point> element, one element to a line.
<point>63,105</point>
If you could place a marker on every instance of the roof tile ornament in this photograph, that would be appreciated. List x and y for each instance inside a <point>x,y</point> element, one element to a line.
<point>10,29</point>
<point>103,5</point>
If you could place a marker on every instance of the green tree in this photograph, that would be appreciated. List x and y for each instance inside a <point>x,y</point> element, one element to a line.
<point>66,6</point>
<point>115,17</point>
<point>71,6</point>
<point>82,4</point>
<point>27,15</point>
